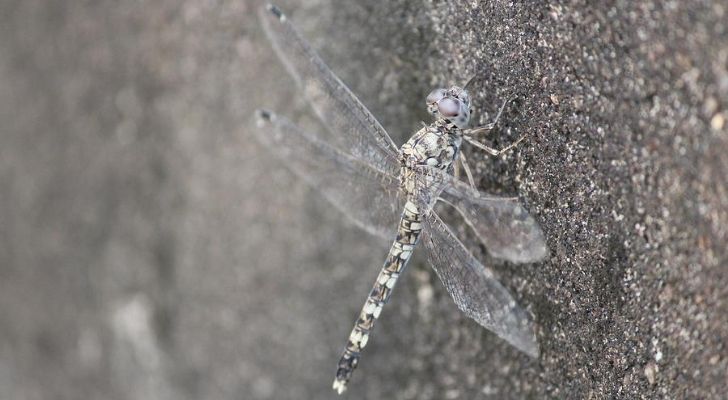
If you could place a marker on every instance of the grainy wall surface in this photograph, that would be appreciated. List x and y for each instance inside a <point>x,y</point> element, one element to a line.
<point>150,248</point>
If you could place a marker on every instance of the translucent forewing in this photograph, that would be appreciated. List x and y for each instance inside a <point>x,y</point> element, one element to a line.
<point>366,195</point>
<point>354,129</point>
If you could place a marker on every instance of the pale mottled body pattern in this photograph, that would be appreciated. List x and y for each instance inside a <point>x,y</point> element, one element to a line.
<point>408,234</point>
<point>434,146</point>
<point>363,174</point>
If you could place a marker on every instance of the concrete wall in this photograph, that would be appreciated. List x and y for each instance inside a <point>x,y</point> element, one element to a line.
<point>151,249</point>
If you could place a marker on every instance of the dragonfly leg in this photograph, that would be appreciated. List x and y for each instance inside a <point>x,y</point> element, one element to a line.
<point>490,150</point>
<point>470,82</point>
<point>489,126</point>
<point>456,169</point>
<point>466,168</point>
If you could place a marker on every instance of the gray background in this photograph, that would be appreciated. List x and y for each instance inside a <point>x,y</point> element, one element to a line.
<point>150,248</point>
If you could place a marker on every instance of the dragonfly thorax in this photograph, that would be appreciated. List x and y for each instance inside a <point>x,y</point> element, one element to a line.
<point>436,145</point>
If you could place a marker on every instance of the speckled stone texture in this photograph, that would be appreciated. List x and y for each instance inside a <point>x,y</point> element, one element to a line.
<point>150,248</point>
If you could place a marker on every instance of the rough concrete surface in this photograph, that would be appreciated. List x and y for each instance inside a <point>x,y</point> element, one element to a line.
<point>151,249</point>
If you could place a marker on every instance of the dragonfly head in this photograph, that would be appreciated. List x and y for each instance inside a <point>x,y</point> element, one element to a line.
<point>450,104</point>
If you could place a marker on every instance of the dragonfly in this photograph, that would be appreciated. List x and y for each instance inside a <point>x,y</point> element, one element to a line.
<point>359,169</point>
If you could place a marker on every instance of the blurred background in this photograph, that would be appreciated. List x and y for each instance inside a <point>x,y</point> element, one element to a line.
<point>150,248</point>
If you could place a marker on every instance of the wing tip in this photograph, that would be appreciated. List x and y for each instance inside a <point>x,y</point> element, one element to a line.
<point>264,114</point>
<point>524,339</point>
<point>541,249</point>
<point>540,252</point>
<point>543,252</point>
<point>530,250</point>
<point>531,347</point>
<point>273,9</point>
<point>263,117</point>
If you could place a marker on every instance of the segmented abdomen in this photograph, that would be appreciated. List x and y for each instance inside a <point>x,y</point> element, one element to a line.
<point>410,226</point>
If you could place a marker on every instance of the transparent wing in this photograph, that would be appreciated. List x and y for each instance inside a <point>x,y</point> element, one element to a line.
<point>354,129</point>
<point>474,288</point>
<point>367,195</point>
<point>501,223</point>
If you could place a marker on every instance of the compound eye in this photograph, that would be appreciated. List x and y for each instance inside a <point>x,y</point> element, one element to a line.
<point>449,107</point>
<point>435,96</point>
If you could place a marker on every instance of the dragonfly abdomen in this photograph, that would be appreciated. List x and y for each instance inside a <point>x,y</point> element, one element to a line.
<point>408,233</point>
